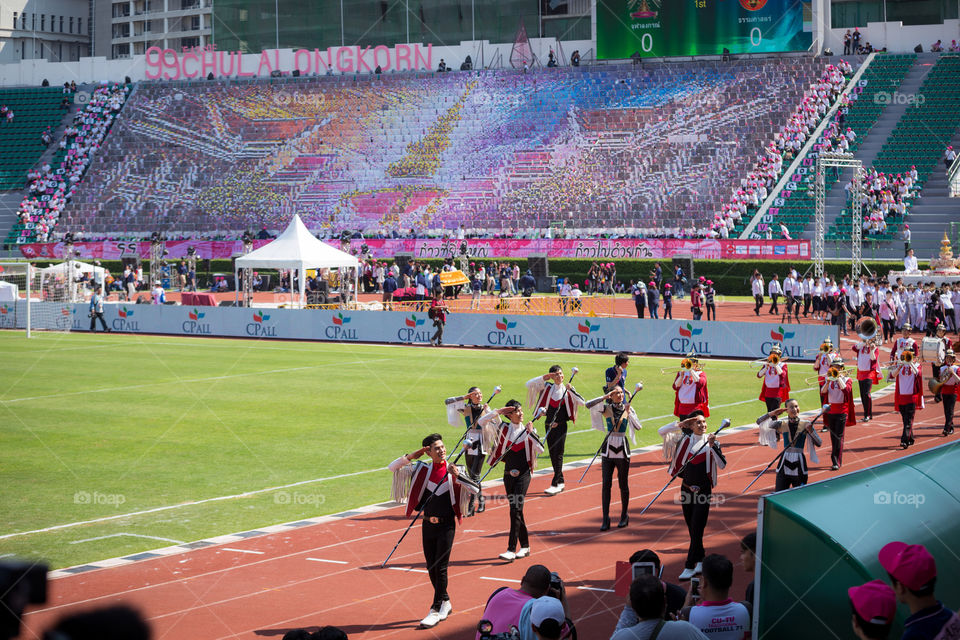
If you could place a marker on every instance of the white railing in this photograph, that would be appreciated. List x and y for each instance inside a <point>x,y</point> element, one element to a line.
<point>953,179</point>
<point>812,140</point>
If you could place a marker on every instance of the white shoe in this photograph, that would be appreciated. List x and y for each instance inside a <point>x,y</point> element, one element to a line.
<point>509,556</point>
<point>523,552</point>
<point>433,619</point>
<point>552,491</point>
<point>697,570</point>
<point>687,574</point>
<point>445,609</point>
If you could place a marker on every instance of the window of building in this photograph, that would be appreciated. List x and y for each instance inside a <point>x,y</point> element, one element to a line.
<point>61,24</point>
<point>14,19</point>
<point>71,24</point>
<point>43,22</point>
<point>79,25</point>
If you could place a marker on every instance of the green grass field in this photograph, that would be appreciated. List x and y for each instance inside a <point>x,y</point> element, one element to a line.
<point>95,426</point>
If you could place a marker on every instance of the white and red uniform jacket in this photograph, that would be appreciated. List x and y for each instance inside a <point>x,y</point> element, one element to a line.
<point>950,374</point>
<point>901,345</point>
<point>412,482</point>
<point>909,390</point>
<point>868,367</point>
<point>688,446</point>
<point>776,382</point>
<point>510,436</point>
<point>839,395</point>
<point>691,393</point>
<point>547,395</point>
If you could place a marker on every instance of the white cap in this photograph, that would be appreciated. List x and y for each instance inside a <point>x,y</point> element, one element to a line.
<point>546,608</point>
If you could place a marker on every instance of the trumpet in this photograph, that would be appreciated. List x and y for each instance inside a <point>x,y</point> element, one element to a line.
<point>773,359</point>
<point>823,348</point>
<point>687,364</point>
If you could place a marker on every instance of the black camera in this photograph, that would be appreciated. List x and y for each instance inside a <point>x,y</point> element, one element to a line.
<point>21,584</point>
<point>556,584</point>
<point>485,627</point>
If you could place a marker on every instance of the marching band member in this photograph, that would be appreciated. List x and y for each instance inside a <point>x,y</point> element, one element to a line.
<point>610,414</point>
<point>518,447</point>
<point>549,392</point>
<point>941,332</point>
<point>690,385</point>
<point>822,364</point>
<point>838,390</point>
<point>776,383</point>
<point>467,409</point>
<point>698,480</point>
<point>797,435</point>
<point>439,491</point>
<point>868,372</point>
<point>950,377</point>
<point>904,343</point>
<point>908,395</point>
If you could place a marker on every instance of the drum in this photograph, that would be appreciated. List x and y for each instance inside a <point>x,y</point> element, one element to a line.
<point>933,350</point>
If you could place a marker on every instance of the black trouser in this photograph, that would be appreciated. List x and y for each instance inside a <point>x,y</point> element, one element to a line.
<point>865,387</point>
<point>772,403</point>
<point>438,336</point>
<point>97,315</point>
<point>759,300</point>
<point>807,301</point>
<point>668,311</point>
<point>907,412</point>
<point>640,307</point>
<point>437,543</point>
<point>556,441</point>
<point>949,402</point>
<point>788,305</point>
<point>785,482</point>
<point>697,313</point>
<point>516,490</point>
<point>774,309</point>
<point>936,376</point>
<point>607,466</point>
<point>474,470</point>
<point>888,327</point>
<point>711,311</point>
<point>836,423</point>
<point>696,511</point>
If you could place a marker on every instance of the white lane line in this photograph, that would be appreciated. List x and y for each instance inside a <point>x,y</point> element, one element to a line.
<point>408,569</point>
<point>186,504</point>
<point>499,579</point>
<point>226,377</point>
<point>132,535</point>
<point>259,553</point>
<point>325,560</point>
<point>596,589</point>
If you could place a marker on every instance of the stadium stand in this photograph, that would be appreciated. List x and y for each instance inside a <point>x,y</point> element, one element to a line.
<point>917,143</point>
<point>795,207</point>
<point>34,109</point>
<point>52,185</point>
<point>613,149</point>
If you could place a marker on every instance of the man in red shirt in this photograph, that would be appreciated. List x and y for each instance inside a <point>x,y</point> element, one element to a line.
<point>950,375</point>
<point>696,302</point>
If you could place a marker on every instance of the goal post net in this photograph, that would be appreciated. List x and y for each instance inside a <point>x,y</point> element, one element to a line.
<point>33,299</point>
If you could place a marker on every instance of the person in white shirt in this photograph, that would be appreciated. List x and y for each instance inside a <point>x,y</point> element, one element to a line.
<point>774,290</point>
<point>756,286</point>
<point>807,291</point>
<point>910,262</point>
<point>717,615</point>
<point>158,294</point>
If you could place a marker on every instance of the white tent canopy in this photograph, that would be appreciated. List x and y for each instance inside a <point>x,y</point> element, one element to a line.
<point>297,248</point>
<point>8,292</point>
<point>78,267</point>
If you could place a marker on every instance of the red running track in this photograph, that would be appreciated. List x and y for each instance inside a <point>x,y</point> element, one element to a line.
<point>329,573</point>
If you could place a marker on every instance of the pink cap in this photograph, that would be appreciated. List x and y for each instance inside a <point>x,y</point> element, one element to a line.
<point>668,286</point>
<point>910,564</point>
<point>653,284</point>
<point>874,601</point>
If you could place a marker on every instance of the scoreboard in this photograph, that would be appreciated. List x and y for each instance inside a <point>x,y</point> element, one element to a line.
<point>665,28</point>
